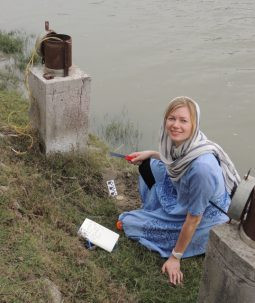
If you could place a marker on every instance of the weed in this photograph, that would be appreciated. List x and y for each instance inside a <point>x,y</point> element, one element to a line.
<point>17,44</point>
<point>11,42</point>
<point>8,79</point>
<point>16,49</point>
<point>119,132</point>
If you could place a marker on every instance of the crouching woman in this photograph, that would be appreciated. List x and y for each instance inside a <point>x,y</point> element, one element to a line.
<point>183,189</point>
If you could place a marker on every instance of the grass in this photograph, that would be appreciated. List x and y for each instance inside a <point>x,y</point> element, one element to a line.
<point>16,48</point>
<point>11,42</point>
<point>18,45</point>
<point>8,79</point>
<point>119,132</point>
<point>43,201</point>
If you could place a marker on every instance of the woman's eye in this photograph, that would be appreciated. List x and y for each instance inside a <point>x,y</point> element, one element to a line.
<point>184,121</point>
<point>170,118</point>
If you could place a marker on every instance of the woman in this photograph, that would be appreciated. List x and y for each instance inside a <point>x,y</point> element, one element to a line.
<point>182,187</point>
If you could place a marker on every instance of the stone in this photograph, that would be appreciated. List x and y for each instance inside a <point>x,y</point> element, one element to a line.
<point>60,109</point>
<point>53,291</point>
<point>4,166</point>
<point>119,197</point>
<point>229,268</point>
<point>3,188</point>
<point>15,205</point>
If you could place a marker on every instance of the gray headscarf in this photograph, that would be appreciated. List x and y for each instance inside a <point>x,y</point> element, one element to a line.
<point>178,159</point>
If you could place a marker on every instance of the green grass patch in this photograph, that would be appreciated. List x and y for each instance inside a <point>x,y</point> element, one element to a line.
<point>43,202</point>
<point>15,51</point>
<point>11,42</point>
<point>11,102</point>
<point>18,45</point>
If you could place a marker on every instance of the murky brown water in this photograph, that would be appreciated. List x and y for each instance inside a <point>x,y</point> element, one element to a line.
<point>142,53</point>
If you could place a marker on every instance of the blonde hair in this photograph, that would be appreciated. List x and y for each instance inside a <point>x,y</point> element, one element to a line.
<point>183,102</point>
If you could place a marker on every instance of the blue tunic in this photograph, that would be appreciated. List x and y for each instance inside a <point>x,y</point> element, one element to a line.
<point>158,222</point>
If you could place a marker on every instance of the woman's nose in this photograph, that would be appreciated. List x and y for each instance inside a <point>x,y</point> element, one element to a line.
<point>176,123</point>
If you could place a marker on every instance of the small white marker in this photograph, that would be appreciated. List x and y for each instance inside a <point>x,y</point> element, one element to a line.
<point>111,188</point>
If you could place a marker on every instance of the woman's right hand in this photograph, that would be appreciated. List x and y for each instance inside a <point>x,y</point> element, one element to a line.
<point>173,268</point>
<point>139,157</point>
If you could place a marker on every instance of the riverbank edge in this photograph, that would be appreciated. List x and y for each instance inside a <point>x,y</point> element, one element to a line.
<point>43,202</point>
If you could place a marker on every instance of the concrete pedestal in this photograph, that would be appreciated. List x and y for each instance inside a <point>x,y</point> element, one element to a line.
<point>60,109</point>
<point>229,268</point>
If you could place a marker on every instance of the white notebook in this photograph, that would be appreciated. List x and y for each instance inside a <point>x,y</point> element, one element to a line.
<point>98,234</point>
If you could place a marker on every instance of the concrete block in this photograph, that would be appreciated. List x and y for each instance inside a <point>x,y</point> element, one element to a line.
<point>229,268</point>
<point>60,109</point>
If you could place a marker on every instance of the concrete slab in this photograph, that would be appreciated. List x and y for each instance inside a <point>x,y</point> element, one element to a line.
<point>60,109</point>
<point>229,268</point>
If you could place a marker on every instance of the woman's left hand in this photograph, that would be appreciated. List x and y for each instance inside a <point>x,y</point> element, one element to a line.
<point>172,268</point>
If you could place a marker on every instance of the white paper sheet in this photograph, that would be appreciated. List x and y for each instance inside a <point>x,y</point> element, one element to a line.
<point>98,234</point>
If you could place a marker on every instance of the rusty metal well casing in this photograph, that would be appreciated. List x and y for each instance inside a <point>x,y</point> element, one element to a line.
<point>241,198</point>
<point>57,52</point>
<point>248,222</point>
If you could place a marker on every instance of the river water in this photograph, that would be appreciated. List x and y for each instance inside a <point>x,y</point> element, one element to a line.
<point>141,54</point>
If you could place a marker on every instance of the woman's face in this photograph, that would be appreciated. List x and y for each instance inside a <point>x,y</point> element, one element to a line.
<point>178,125</point>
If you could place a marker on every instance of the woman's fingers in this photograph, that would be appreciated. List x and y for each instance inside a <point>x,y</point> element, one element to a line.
<point>176,277</point>
<point>139,157</point>
<point>173,278</point>
<point>180,277</point>
<point>135,158</point>
<point>135,162</point>
<point>135,155</point>
<point>163,269</point>
<point>172,268</point>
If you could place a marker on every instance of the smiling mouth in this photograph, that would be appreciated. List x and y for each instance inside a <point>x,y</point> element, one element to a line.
<point>175,133</point>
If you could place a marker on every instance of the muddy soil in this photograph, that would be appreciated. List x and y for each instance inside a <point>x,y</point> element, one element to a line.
<point>126,183</point>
